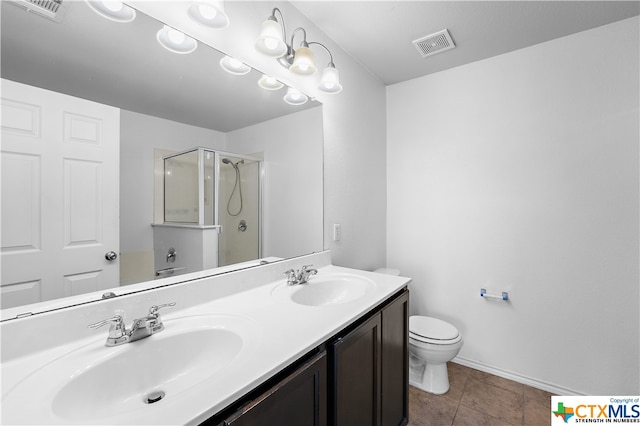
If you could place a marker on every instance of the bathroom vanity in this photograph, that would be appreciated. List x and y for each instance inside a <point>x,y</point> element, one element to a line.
<point>358,377</point>
<point>239,348</point>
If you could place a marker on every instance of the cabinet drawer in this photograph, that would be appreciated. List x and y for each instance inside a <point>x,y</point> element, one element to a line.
<point>299,399</point>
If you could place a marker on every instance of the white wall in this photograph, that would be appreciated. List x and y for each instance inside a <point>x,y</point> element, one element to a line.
<point>520,173</point>
<point>292,201</point>
<point>354,124</point>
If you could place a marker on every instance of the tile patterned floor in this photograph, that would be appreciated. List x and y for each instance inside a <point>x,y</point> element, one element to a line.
<point>476,398</point>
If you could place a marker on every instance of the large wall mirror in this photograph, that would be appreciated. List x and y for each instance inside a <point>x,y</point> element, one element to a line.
<point>72,88</point>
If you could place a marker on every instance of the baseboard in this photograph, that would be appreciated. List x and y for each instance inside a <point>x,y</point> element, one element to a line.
<point>549,387</point>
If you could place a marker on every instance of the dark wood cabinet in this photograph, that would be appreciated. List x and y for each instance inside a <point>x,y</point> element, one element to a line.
<point>298,399</point>
<point>395,362</point>
<point>355,380</point>
<point>369,376</point>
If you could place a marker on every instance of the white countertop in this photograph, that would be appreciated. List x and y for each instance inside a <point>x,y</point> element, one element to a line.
<point>283,331</point>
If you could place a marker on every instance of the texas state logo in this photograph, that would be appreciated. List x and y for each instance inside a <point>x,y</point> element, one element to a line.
<point>595,409</point>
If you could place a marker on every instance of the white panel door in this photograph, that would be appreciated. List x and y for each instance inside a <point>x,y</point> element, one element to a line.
<point>60,201</point>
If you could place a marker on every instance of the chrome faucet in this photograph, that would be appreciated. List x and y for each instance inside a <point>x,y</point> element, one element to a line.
<point>141,327</point>
<point>300,277</point>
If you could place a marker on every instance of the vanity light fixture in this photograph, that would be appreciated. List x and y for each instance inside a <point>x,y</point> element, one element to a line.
<point>295,97</point>
<point>330,78</point>
<point>113,9</point>
<point>234,66</point>
<point>272,42</point>
<point>176,41</point>
<point>271,39</point>
<point>303,61</point>
<point>269,83</point>
<point>209,13</point>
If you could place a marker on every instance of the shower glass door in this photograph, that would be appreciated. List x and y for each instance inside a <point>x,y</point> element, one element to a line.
<point>189,188</point>
<point>181,188</point>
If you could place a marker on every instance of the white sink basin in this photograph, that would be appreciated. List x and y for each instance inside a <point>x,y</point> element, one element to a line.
<point>94,383</point>
<point>326,290</point>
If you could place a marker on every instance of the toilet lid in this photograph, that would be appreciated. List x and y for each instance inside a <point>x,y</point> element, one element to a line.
<point>431,328</point>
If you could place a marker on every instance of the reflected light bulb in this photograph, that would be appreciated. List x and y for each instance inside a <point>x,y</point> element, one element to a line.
<point>294,97</point>
<point>176,36</point>
<point>113,5</point>
<point>208,12</point>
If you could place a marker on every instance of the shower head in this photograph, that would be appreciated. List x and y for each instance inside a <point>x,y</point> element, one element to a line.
<point>227,161</point>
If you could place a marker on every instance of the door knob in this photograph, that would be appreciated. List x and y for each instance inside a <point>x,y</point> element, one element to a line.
<point>111,256</point>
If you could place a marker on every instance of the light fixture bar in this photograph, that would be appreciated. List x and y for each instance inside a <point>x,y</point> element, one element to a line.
<point>300,61</point>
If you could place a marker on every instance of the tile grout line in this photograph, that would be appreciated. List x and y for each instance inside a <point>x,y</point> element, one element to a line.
<point>466,380</point>
<point>523,405</point>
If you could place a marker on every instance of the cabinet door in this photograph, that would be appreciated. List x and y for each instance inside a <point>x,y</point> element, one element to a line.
<point>395,362</point>
<point>355,381</point>
<point>298,400</point>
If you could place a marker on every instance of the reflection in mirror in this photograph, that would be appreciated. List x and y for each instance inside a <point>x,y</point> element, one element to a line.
<point>182,180</point>
<point>89,117</point>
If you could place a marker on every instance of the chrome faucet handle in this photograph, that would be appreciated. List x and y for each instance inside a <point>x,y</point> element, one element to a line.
<point>117,331</point>
<point>305,273</point>
<point>153,311</point>
<point>153,321</point>
<point>291,276</point>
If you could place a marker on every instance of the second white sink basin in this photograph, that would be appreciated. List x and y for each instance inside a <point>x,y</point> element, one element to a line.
<point>326,290</point>
<point>95,383</point>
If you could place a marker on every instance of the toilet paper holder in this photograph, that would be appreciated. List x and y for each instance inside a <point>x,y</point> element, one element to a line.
<point>504,296</point>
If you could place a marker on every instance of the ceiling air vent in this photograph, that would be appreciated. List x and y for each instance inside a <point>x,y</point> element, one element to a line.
<point>50,9</point>
<point>434,43</point>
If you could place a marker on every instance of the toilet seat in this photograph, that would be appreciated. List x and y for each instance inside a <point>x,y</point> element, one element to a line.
<point>432,330</point>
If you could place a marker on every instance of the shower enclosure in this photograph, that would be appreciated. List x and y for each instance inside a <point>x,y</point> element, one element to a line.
<point>212,211</point>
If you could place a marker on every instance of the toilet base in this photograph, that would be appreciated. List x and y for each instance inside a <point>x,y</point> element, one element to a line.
<point>434,379</point>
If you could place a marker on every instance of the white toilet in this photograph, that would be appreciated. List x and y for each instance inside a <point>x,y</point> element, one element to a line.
<point>432,343</point>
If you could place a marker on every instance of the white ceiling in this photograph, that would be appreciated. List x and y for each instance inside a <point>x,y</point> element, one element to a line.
<point>378,34</point>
